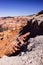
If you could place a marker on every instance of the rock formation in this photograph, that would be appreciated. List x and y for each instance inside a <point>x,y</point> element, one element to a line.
<point>16,31</point>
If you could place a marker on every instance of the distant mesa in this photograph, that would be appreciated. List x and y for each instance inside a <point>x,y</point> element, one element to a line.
<point>7,17</point>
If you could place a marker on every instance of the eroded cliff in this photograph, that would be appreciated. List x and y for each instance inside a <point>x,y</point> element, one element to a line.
<point>16,31</point>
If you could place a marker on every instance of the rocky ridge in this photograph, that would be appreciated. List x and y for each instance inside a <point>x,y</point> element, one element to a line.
<point>22,36</point>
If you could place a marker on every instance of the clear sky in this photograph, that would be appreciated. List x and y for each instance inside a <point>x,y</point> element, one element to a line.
<point>20,7</point>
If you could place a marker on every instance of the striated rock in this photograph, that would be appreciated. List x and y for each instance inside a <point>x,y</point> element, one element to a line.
<point>35,56</point>
<point>16,31</point>
<point>9,33</point>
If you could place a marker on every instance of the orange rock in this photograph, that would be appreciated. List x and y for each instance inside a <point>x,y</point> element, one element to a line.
<point>11,27</point>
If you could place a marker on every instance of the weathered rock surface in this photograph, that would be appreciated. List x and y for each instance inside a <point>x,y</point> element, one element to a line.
<point>33,57</point>
<point>23,35</point>
<point>9,33</point>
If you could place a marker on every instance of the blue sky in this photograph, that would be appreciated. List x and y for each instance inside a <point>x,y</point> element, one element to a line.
<point>20,7</point>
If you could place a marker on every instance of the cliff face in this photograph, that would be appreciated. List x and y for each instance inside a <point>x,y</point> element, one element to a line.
<point>16,31</point>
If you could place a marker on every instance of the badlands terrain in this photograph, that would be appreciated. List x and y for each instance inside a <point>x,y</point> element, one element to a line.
<point>21,40</point>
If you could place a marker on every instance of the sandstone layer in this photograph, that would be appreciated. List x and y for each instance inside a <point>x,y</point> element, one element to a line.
<point>16,31</point>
